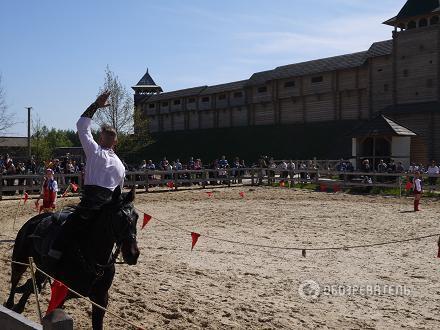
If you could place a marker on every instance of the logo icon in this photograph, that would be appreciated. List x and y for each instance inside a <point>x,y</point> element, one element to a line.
<point>309,290</point>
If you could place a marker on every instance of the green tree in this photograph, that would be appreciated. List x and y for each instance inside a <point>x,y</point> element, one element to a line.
<point>130,125</point>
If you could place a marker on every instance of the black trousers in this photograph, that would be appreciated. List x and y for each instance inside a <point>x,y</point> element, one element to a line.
<point>92,199</point>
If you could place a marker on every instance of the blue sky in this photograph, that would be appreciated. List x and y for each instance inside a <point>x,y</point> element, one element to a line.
<point>54,53</point>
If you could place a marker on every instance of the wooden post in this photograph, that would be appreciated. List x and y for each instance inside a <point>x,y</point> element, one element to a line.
<point>204,176</point>
<point>146,181</point>
<point>1,187</point>
<point>252,178</point>
<point>57,320</point>
<point>34,282</point>
<point>176,180</point>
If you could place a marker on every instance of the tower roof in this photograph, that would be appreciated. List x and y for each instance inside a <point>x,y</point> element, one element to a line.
<point>414,8</point>
<point>147,84</point>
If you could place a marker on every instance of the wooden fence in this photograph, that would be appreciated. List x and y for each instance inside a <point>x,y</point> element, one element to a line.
<point>11,184</point>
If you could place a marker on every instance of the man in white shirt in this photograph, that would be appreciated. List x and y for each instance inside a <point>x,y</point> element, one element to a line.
<point>104,172</point>
<point>433,170</point>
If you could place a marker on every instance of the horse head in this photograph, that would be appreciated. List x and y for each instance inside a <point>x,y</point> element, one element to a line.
<point>124,222</point>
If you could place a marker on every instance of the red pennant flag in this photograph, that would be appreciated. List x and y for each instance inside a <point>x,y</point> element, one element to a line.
<point>170,184</point>
<point>194,237</point>
<point>58,293</point>
<point>147,218</point>
<point>408,186</point>
<point>323,187</point>
<point>209,193</point>
<point>74,187</point>
<point>26,197</point>
<point>336,188</point>
<point>241,194</point>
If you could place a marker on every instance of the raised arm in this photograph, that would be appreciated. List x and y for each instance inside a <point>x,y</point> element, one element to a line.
<point>85,122</point>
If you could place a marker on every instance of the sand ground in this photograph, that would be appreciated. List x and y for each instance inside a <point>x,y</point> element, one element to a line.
<point>222,285</point>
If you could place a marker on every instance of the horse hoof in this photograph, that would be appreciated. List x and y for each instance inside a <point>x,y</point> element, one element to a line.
<point>18,309</point>
<point>8,305</point>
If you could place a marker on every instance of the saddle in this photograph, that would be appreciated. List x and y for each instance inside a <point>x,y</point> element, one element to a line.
<point>47,230</point>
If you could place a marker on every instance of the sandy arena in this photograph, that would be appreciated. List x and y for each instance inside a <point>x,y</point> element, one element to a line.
<point>222,285</point>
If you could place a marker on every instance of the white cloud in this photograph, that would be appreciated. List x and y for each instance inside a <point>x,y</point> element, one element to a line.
<point>338,36</point>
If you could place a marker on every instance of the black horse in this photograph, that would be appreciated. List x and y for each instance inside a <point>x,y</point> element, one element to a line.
<point>89,266</point>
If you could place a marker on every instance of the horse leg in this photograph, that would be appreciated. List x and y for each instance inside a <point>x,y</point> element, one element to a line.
<point>28,289</point>
<point>97,313</point>
<point>16,274</point>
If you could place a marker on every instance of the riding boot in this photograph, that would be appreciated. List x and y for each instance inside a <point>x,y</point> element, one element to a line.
<point>417,206</point>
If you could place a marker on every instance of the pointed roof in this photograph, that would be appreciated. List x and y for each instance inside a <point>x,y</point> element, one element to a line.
<point>414,8</point>
<point>382,126</point>
<point>147,84</point>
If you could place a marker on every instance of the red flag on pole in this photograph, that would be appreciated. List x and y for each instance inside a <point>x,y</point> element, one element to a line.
<point>170,184</point>
<point>58,292</point>
<point>74,187</point>
<point>209,193</point>
<point>26,197</point>
<point>241,194</point>
<point>147,218</point>
<point>194,237</point>
<point>408,186</point>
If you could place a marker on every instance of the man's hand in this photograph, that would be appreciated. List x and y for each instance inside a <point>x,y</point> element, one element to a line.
<point>101,101</point>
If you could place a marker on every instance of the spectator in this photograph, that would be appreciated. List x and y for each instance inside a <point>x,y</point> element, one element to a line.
<point>49,191</point>
<point>271,173</point>
<point>143,165</point>
<point>392,166</point>
<point>282,167</point>
<point>178,165</point>
<point>223,163</point>
<point>382,167</point>
<point>150,165</point>
<point>400,168</point>
<point>418,190</point>
<point>433,170</point>
<point>341,166</point>
<point>191,164</point>
<point>21,170</point>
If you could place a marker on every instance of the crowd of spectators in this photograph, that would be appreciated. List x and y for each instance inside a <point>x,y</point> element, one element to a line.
<point>8,166</point>
<point>221,168</point>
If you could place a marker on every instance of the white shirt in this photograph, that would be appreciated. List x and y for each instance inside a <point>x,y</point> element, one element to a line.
<point>103,166</point>
<point>418,185</point>
<point>433,170</point>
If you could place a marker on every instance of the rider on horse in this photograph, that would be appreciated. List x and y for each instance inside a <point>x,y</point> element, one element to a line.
<point>104,172</point>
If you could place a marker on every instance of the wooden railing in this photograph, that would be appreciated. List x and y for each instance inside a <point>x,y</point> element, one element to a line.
<point>10,184</point>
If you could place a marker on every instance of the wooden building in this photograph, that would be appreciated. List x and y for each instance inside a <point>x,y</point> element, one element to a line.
<point>398,78</point>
